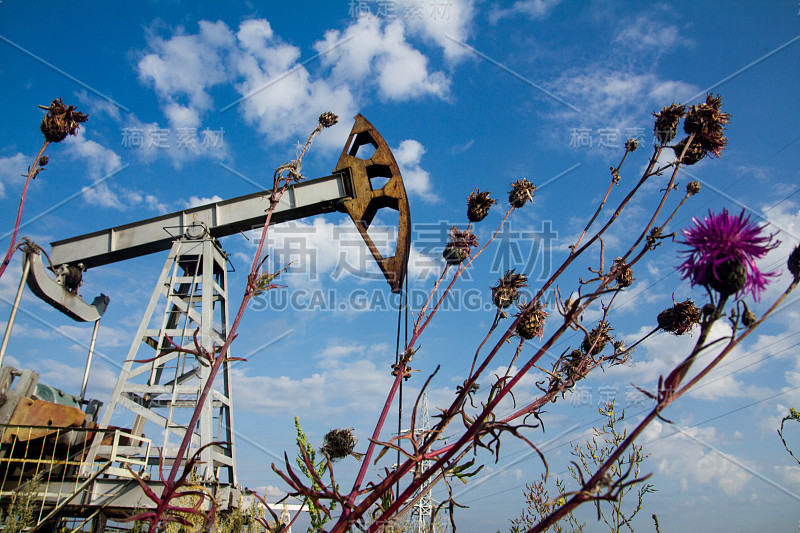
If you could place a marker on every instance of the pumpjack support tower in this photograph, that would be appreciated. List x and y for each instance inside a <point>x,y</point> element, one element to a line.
<point>160,381</point>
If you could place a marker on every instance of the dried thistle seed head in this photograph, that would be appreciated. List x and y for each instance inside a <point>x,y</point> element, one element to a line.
<point>569,365</point>
<point>631,145</point>
<point>61,121</point>
<point>328,119</point>
<point>707,123</point>
<point>794,262</point>
<point>43,160</point>
<point>478,205</point>
<point>597,339</point>
<point>531,323</point>
<point>693,154</point>
<point>692,188</point>
<point>339,443</point>
<point>458,249</point>
<point>521,191</point>
<point>667,120</point>
<point>506,291</point>
<point>679,318</point>
<point>623,272</point>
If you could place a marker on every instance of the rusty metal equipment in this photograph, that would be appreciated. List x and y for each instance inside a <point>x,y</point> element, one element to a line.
<point>160,384</point>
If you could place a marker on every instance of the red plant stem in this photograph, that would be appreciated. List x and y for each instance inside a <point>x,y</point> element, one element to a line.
<point>671,394</point>
<point>277,192</point>
<point>417,331</point>
<point>448,452</point>
<point>663,198</point>
<point>603,202</point>
<point>32,171</point>
<point>375,434</point>
<point>395,386</point>
<point>733,343</point>
<point>581,497</point>
<point>445,458</point>
<point>473,430</point>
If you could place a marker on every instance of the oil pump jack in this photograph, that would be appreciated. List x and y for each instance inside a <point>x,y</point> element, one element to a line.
<point>159,384</point>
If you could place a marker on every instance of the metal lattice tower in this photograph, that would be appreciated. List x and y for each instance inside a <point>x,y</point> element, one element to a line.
<point>422,512</point>
<point>161,385</point>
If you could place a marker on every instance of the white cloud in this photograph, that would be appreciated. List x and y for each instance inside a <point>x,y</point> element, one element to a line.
<point>785,220</point>
<point>101,162</point>
<point>671,91</point>
<point>379,51</point>
<point>95,105</point>
<point>661,353</point>
<point>789,474</point>
<point>324,250</point>
<point>443,22</point>
<point>281,98</point>
<point>10,169</point>
<point>344,368</point>
<point>681,456</point>
<point>195,201</point>
<point>183,67</point>
<point>9,281</point>
<point>421,266</point>
<point>417,180</point>
<point>614,97</point>
<point>649,33</point>
<point>533,9</point>
<point>317,251</point>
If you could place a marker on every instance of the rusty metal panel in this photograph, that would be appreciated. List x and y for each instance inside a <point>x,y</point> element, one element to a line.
<point>41,413</point>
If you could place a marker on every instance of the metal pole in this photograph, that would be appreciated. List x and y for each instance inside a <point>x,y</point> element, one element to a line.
<point>89,359</point>
<point>26,267</point>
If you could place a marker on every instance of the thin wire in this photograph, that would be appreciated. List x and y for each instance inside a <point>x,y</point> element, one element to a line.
<point>400,391</point>
<point>661,437</point>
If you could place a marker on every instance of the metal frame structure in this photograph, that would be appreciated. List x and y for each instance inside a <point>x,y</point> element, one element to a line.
<point>422,511</point>
<point>160,381</point>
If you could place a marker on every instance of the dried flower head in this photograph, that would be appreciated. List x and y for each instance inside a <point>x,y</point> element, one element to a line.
<point>596,340</point>
<point>61,121</point>
<point>708,123</point>
<point>531,323</point>
<point>478,205</point>
<point>43,160</point>
<point>339,443</point>
<point>667,122</point>
<point>794,262</point>
<point>460,246</point>
<point>679,318</point>
<point>631,145</point>
<point>571,370</point>
<point>722,254</point>
<point>623,272</point>
<point>521,191</point>
<point>693,154</point>
<point>506,291</point>
<point>692,188</point>
<point>328,119</point>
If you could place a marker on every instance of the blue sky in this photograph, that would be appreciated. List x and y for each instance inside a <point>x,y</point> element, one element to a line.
<point>467,94</point>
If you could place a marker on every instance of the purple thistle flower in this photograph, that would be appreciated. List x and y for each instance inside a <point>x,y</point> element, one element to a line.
<point>723,239</point>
